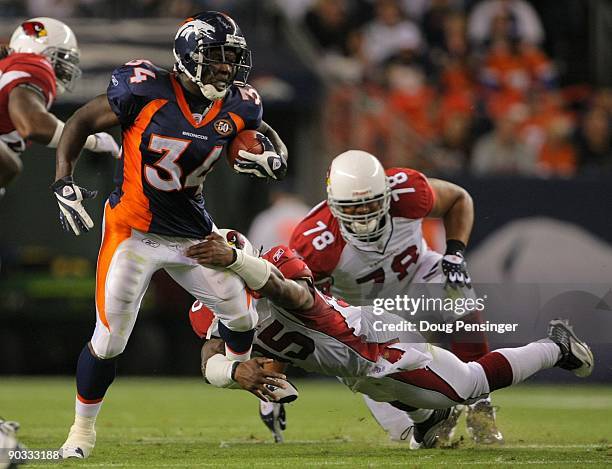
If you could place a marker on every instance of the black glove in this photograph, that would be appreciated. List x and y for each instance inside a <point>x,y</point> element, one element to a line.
<point>454,266</point>
<point>73,216</point>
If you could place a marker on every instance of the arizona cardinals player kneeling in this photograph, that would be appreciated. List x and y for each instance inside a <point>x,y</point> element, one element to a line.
<point>301,325</point>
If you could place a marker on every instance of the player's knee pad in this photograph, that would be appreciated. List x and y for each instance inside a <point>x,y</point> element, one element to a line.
<point>126,281</point>
<point>105,344</point>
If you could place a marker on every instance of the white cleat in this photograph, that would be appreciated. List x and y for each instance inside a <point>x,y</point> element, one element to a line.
<point>576,355</point>
<point>80,444</point>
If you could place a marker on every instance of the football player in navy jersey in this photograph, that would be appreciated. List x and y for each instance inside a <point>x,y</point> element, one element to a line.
<point>175,126</point>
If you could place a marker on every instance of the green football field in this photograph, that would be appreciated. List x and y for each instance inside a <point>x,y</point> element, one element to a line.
<point>185,423</point>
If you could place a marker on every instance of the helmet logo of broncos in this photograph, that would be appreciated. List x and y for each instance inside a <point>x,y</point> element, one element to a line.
<point>196,26</point>
<point>34,28</point>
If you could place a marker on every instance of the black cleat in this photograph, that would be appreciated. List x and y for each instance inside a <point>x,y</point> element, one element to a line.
<point>427,434</point>
<point>576,356</point>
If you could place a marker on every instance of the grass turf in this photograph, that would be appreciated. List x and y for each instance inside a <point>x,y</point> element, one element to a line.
<point>184,423</point>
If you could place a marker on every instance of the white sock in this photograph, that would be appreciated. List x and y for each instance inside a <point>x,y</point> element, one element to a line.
<point>394,421</point>
<point>531,358</point>
<point>266,407</point>
<point>86,414</point>
<point>239,357</point>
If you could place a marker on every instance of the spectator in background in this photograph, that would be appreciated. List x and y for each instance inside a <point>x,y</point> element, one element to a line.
<point>512,66</point>
<point>417,9</point>
<point>53,8</point>
<point>594,142</point>
<point>274,225</point>
<point>451,61</point>
<point>329,25</point>
<point>526,24</point>
<point>411,98</point>
<point>12,8</point>
<point>433,22</point>
<point>390,35</point>
<point>333,26</point>
<point>456,138</point>
<point>557,156</point>
<point>501,151</point>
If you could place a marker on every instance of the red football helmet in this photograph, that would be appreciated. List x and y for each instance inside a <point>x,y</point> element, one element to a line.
<point>201,318</point>
<point>288,262</point>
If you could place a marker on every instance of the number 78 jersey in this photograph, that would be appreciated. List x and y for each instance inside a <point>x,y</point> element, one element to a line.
<point>358,271</point>
<point>168,149</point>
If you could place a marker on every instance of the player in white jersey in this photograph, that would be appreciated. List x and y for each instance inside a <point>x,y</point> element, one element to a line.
<point>365,242</point>
<point>301,325</point>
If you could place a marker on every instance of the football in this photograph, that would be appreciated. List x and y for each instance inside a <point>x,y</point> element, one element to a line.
<point>286,395</point>
<point>248,140</point>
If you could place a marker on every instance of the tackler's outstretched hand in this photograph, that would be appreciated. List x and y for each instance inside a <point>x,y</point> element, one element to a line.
<point>105,143</point>
<point>213,251</point>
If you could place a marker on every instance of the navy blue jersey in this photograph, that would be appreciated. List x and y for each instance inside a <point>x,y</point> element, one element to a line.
<point>168,149</point>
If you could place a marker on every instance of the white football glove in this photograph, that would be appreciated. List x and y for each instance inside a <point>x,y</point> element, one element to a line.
<point>268,164</point>
<point>73,216</point>
<point>105,143</point>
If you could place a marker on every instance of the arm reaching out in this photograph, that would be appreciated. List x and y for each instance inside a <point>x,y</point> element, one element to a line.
<point>257,273</point>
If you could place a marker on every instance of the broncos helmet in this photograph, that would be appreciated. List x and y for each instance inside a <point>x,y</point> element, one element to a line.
<point>208,39</point>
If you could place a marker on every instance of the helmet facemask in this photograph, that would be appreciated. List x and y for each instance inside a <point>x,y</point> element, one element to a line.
<point>368,226</point>
<point>65,63</point>
<point>203,62</point>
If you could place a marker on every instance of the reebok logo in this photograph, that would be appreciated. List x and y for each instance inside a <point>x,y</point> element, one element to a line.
<point>278,254</point>
<point>150,242</point>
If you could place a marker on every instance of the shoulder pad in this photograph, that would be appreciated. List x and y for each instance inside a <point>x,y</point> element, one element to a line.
<point>411,195</point>
<point>318,240</point>
<point>246,102</point>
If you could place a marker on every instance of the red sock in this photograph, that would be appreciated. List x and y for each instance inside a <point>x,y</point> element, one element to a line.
<point>497,369</point>
<point>470,346</point>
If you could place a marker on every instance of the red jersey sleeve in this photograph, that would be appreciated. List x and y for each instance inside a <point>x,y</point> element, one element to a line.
<point>411,195</point>
<point>318,240</point>
<point>30,69</point>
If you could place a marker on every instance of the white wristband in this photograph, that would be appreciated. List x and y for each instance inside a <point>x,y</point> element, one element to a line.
<point>56,135</point>
<point>219,371</point>
<point>91,143</point>
<point>255,271</point>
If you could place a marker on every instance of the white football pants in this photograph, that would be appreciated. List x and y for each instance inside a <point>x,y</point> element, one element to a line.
<point>127,260</point>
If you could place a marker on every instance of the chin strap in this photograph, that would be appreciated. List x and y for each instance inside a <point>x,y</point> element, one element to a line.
<point>212,93</point>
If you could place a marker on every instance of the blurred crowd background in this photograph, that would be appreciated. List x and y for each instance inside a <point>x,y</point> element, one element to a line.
<point>491,87</point>
<point>510,98</point>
